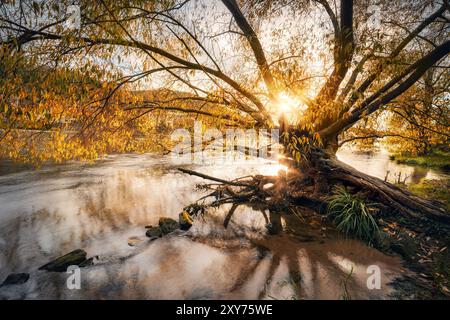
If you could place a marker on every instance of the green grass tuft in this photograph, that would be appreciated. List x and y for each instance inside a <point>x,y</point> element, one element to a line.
<point>352,215</point>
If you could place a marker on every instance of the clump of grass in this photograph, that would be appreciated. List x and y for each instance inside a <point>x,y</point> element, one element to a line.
<point>352,215</point>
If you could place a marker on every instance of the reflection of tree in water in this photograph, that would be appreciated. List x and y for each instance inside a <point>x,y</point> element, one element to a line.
<point>98,209</point>
<point>314,264</point>
<point>418,174</point>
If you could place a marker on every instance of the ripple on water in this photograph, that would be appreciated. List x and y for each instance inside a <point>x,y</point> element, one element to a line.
<point>98,207</point>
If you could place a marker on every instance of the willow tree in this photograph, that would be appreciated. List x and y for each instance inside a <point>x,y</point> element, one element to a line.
<point>334,62</point>
<point>420,120</point>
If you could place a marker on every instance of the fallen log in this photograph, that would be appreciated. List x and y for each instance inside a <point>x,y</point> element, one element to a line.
<point>391,195</point>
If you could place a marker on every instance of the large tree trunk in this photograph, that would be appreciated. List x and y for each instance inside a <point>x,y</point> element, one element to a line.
<point>326,167</point>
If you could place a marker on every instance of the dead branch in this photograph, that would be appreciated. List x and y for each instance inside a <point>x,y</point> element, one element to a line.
<point>204,176</point>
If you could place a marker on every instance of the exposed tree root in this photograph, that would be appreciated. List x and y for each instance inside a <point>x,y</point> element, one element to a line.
<point>309,185</point>
<point>258,191</point>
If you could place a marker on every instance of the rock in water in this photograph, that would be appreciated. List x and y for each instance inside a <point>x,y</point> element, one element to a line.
<point>167,225</point>
<point>76,257</point>
<point>87,263</point>
<point>134,241</point>
<point>153,232</point>
<point>15,278</point>
<point>185,220</point>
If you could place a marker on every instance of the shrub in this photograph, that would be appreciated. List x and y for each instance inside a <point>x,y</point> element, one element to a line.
<point>352,215</point>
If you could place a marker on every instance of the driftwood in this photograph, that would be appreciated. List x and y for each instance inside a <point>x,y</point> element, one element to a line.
<point>262,193</point>
<point>204,176</point>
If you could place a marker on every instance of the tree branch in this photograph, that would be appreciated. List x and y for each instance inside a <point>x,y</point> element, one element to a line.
<point>343,52</point>
<point>422,66</point>
<point>255,44</point>
<point>376,136</point>
<point>263,115</point>
<point>381,65</point>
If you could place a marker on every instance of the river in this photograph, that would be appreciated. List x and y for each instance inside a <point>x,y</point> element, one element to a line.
<point>99,207</point>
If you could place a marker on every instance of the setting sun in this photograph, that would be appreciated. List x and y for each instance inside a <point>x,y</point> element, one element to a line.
<point>290,106</point>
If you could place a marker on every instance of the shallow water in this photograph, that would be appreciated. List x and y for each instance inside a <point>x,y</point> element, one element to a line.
<point>47,213</point>
<point>379,165</point>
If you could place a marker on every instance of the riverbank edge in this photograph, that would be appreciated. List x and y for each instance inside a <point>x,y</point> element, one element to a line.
<point>436,160</point>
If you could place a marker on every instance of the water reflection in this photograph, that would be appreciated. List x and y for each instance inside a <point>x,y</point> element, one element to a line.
<point>98,208</point>
<point>379,165</point>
